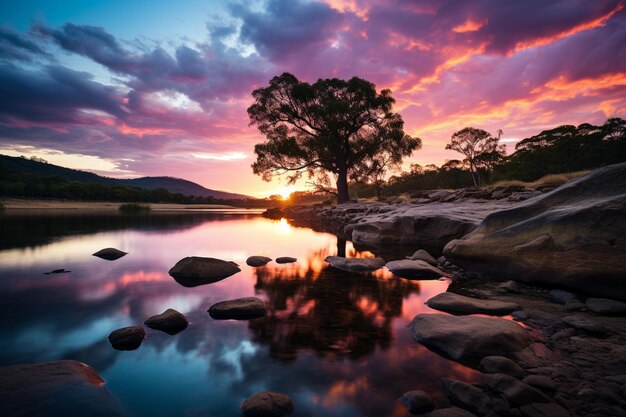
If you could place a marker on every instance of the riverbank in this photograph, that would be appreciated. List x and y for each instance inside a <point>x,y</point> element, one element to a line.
<point>27,204</point>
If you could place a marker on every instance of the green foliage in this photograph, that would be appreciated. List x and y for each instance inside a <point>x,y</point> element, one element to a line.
<point>332,127</point>
<point>565,149</point>
<point>134,208</point>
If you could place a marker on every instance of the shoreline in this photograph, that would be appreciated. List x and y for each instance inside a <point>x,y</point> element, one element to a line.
<point>40,204</point>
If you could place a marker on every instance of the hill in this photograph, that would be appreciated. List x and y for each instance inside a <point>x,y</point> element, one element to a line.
<point>173,185</point>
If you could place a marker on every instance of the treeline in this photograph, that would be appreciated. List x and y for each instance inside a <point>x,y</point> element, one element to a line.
<point>28,185</point>
<point>560,150</point>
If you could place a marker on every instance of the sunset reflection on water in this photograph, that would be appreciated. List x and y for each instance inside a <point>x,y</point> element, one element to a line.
<point>337,343</point>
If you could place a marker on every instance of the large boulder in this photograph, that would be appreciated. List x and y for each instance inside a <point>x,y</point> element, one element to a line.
<point>170,321</point>
<point>469,338</point>
<point>428,226</point>
<point>355,264</point>
<point>570,237</point>
<point>55,389</point>
<point>245,308</point>
<point>267,404</point>
<point>409,269</point>
<point>460,304</point>
<point>195,270</point>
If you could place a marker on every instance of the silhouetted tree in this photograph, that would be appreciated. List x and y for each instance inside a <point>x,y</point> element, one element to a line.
<point>330,127</point>
<point>479,147</point>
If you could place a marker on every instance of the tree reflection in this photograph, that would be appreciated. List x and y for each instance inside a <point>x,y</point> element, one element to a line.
<point>314,306</point>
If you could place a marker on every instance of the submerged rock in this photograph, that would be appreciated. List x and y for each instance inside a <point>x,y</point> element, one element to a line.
<point>238,309</point>
<point>195,270</point>
<point>110,254</point>
<point>417,401</point>
<point>57,271</point>
<point>55,389</point>
<point>422,255</point>
<point>258,260</point>
<point>407,268</point>
<point>285,260</point>
<point>468,337</point>
<point>267,404</point>
<point>460,304</point>
<point>572,237</point>
<point>170,321</point>
<point>355,264</point>
<point>127,338</point>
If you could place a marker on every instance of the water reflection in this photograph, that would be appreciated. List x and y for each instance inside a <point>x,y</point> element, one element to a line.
<point>337,343</point>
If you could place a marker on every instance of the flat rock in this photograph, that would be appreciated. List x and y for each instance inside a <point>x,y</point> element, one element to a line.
<point>170,321</point>
<point>238,309</point>
<point>127,338</point>
<point>606,307</point>
<point>469,337</point>
<point>516,392</point>
<point>501,365</point>
<point>417,401</point>
<point>285,260</point>
<point>460,304</point>
<point>449,412</point>
<point>267,404</point>
<point>465,395</point>
<point>110,254</point>
<point>571,237</point>
<point>355,264</point>
<point>407,268</point>
<point>586,324</point>
<point>422,255</point>
<point>195,270</point>
<point>258,260</point>
<point>55,389</point>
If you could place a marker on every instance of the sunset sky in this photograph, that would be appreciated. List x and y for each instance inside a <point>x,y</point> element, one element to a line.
<point>134,88</point>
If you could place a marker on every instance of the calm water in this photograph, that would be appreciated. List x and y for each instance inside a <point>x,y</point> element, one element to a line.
<point>337,343</point>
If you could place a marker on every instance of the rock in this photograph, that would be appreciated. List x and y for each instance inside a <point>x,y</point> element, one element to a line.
<point>274,213</point>
<point>428,226</point>
<point>355,264</point>
<point>258,260</point>
<point>541,382</point>
<point>519,315</point>
<point>606,307</point>
<point>460,304</point>
<point>516,392</point>
<point>285,260</point>
<point>586,324</point>
<point>410,269</point>
<point>465,395</point>
<point>57,271</point>
<point>574,305</point>
<point>417,401</point>
<point>469,337</point>
<point>570,237</point>
<point>238,309</point>
<point>55,389</point>
<point>562,296</point>
<point>449,412</point>
<point>110,254</point>
<point>127,338</point>
<point>267,404</point>
<point>422,255</point>
<point>543,410</point>
<point>501,365</point>
<point>170,321</point>
<point>509,286</point>
<point>195,270</point>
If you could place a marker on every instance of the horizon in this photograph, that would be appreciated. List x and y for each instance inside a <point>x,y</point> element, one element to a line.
<point>145,89</point>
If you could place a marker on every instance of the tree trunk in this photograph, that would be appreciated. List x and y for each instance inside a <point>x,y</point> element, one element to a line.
<point>342,187</point>
<point>475,178</point>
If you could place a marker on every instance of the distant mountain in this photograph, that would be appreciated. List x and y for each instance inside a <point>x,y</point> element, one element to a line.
<point>171,184</point>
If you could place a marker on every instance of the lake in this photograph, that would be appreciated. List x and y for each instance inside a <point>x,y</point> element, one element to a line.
<point>337,343</point>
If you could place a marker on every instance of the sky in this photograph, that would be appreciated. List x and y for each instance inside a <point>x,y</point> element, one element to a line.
<point>155,87</point>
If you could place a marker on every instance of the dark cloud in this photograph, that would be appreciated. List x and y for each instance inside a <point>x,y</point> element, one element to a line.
<point>16,46</point>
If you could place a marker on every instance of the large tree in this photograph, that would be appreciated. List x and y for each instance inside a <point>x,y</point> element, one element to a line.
<point>331,127</point>
<point>481,150</point>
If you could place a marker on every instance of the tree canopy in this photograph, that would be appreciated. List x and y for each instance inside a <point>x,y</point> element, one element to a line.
<point>331,127</point>
<point>480,148</point>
